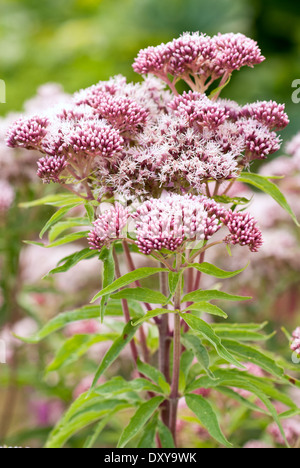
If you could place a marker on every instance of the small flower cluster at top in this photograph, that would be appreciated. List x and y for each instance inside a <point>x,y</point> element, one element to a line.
<point>171,222</point>
<point>140,139</point>
<point>295,345</point>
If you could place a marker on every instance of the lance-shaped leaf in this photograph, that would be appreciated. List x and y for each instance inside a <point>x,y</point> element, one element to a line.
<point>61,320</point>
<point>165,436</point>
<point>62,226</point>
<point>115,350</point>
<point>207,308</point>
<point>212,294</point>
<point>68,239</point>
<point>193,343</point>
<point>151,314</point>
<point>72,260</point>
<point>155,375</point>
<point>60,199</point>
<point>212,270</point>
<point>207,416</point>
<point>108,276</point>
<point>56,217</point>
<point>129,278</point>
<point>138,421</point>
<point>148,438</point>
<point>264,184</point>
<point>199,326</point>
<point>251,354</point>
<point>142,295</point>
<point>74,348</point>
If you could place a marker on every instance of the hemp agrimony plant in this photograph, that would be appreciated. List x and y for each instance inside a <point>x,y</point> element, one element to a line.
<point>153,170</point>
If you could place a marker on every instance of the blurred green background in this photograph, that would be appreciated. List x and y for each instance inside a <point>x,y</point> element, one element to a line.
<point>79,42</point>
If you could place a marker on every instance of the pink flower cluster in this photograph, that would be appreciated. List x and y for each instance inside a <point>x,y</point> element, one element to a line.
<point>291,429</point>
<point>108,227</point>
<point>138,139</point>
<point>171,221</point>
<point>198,54</point>
<point>295,345</point>
<point>50,168</point>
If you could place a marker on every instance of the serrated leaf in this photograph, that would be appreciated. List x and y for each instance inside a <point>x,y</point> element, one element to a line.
<point>151,314</point>
<point>148,438</point>
<point>114,351</point>
<point>138,421</point>
<point>74,348</point>
<point>264,184</point>
<point>243,335</point>
<point>142,295</point>
<point>90,212</point>
<point>255,356</point>
<point>53,200</point>
<point>57,217</point>
<point>207,308</point>
<point>193,343</point>
<point>127,279</point>
<point>61,320</point>
<point>62,226</point>
<point>108,276</point>
<point>207,416</point>
<point>72,260</point>
<point>212,270</point>
<point>153,374</point>
<point>69,238</point>
<point>173,278</point>
<point>212,294</point>
<point>104,409</point>
<point>165,436</point>
<point>199,326</point>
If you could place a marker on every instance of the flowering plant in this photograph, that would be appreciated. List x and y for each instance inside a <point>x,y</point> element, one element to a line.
<point>150,171</point>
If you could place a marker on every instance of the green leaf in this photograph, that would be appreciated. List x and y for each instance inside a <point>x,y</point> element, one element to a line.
<point>142,295</point>
<point>207,416</point>
<point>155,375</point>
<point>69,238</point>
<point>174,278</point>
<point>238,326</point>
<point>209,295</point>
<point>255,356</point>
<point>138,421</point>
<point>244,401</point>
<point>199,326</point>
<point>220,88</point>
<point>193,343</point>
<point>114,351</point>
<point>62,226</point>
<point>212,270</point>
<point>148,438</point>
<point>262,183</point>
<point>90,212</point>
<point>108,276</point>
<point>207,308</point>
<point>56,217</point>
<point>151,314</point>
<point>59,199</point>
<point>165,436</point>
<point>243,335</point>
<point>105,409</point>
<point>74,348</point>
<point>129,278</point>
<point>72,260</point>
<point>61,320</point>
<point>92,439</point>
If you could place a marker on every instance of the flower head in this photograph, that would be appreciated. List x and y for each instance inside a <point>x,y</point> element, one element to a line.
<point>50,167</point>
<point>167,223</point>
<point>235,51</point>
<point>108,227</point>
<point>27,133</point>
<point>243,230</point>
<point>268,113</point>
<point>152,60</point>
